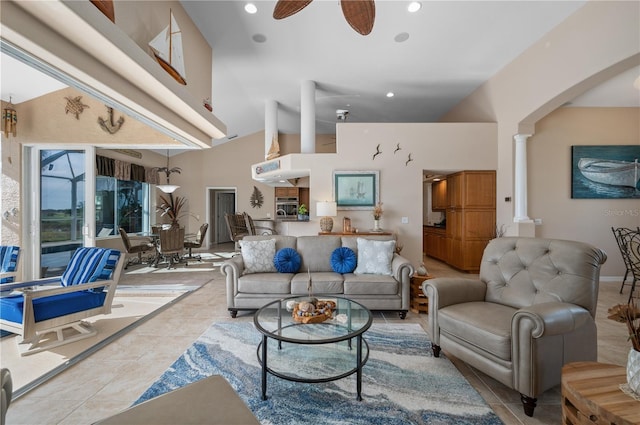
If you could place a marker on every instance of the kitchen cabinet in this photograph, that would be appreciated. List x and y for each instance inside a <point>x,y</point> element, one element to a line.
<point>471,217</point>
<point>435,242</point>
<point>286,192</point>
<point>470,210</point>
<point>439,195</point>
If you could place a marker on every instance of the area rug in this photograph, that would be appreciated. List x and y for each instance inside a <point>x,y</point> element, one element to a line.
<point>402,382</point>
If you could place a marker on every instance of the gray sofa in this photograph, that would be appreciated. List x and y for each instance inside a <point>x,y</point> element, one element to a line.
<point>531,311</point>
<point>374,291</point>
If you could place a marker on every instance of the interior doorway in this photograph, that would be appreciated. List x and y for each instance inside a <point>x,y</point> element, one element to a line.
<point>220,201</point>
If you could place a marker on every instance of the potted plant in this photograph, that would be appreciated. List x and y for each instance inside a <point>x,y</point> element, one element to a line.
<point>303,213</point>
<point>629,314</point>
<point>172,208</point>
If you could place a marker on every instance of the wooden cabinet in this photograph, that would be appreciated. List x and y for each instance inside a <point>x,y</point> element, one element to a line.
<point>303,198</point>
<point>286,192</point>
<point>471,189</point>
<point>435,242</point>
<point>439,195</point>
<point>471,217</point>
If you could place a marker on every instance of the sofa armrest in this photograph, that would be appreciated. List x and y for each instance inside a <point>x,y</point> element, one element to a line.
<point>232,269</point>
<point>443,292</point>
<point>402,270</point>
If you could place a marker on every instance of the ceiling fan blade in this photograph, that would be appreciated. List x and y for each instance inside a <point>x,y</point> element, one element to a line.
<point>360,14</point>
<point>286,8</point>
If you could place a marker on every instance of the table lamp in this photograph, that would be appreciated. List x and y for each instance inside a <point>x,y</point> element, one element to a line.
<point>326,210</point>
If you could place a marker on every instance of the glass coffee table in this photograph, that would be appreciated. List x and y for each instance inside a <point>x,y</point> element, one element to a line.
<point>312,352</point>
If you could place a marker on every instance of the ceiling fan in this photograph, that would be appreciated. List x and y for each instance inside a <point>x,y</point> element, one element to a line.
<point>360,14</point>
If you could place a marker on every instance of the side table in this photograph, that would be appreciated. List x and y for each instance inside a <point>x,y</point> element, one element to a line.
<point>591,394</point>
<point>419,301</point>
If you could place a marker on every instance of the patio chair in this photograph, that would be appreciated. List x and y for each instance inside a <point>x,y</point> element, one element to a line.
<point>257,230</point>
<point>171,245</point>
<point>8,263</point>
<point>59,304</point>
<point>197,242</point>
<point>143,248</point>
<point>237,226</point>
<point>623,235</point>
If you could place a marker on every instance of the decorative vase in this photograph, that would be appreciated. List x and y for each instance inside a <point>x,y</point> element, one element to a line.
<point>633,371</point>
<point>376,226</point>
<point>422,270</point>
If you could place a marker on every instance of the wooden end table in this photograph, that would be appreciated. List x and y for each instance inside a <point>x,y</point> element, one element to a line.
<point>419,301</point>
<point>591,394</point>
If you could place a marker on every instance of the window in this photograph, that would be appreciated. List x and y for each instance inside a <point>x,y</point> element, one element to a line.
<point>121,203</point>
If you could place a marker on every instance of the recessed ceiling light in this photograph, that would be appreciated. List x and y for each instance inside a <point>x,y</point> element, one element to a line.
<point>390,94</point>
<point>403,36</point>
<point>250,8</point>
<point>414,6</point>
<point>259,38</point>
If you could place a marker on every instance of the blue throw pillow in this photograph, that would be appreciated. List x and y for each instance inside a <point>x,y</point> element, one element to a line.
<point>343,260</point>
<point>287,260</point>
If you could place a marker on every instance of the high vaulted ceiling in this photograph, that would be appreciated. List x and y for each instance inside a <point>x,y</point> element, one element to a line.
<point>430,59</point>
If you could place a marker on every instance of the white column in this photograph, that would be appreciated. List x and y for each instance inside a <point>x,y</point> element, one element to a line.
<point>308,117</point>
<point>270,124</point>
<point>520,197</point>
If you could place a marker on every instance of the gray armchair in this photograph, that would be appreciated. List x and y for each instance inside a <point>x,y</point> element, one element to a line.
<point>531,311</point>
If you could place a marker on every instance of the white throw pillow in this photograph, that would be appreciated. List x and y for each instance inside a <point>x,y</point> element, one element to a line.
<point>258,256</point>
<point>374,257</point>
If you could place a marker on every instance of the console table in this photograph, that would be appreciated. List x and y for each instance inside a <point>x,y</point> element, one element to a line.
<point>591,394</point>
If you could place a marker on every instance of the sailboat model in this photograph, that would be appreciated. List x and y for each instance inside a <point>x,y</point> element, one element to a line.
<point>167,49</point>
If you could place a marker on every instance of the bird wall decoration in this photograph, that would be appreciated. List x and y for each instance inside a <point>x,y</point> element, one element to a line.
<point>397,148</point>
<point>378,152</point>
<point>409,159</point>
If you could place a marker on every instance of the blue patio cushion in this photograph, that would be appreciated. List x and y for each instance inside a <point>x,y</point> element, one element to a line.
<point>11,308</point>
<point>8,261</point>
<point>89,264</point>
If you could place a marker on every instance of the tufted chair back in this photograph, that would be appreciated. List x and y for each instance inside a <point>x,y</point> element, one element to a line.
<point>520,272</point>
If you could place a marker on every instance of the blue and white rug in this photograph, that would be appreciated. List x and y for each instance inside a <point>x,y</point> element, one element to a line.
<point>402,382</point>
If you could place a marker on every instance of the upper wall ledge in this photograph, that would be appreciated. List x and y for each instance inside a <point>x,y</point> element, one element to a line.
<point>77,39</point>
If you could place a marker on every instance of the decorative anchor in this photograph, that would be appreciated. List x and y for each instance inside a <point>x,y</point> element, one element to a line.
<point>109,126</point>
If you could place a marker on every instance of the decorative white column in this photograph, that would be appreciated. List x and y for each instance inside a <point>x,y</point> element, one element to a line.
<point>270,124</point>
<point>520,197</point>
<point>308,117</point>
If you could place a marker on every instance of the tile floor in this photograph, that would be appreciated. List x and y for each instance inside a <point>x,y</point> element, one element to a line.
<point>112,378</point>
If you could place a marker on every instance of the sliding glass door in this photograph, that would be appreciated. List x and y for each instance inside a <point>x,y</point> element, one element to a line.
<point>57,190</point>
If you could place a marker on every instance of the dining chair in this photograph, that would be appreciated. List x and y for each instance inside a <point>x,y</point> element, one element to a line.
<point>197,242</point>
<point>143,248</point>
<point>171,246</point>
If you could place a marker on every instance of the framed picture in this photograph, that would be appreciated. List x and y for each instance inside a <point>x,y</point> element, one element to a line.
<point>356,190</point>
<point>608,171</point>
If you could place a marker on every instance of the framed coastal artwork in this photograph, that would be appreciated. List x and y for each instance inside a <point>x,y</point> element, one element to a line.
<point>608,171</point>
<point>356,190</point>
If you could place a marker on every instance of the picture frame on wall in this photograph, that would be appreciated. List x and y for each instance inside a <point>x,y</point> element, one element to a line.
<point>605,171</point>
<point>356,190</point>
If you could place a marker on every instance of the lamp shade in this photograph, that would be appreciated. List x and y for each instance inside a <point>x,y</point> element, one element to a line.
<point>167,188</point>
<point>326,209</point>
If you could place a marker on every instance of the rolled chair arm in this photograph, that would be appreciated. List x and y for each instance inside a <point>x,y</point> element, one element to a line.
<point>546,319</point>
<point>443,292</point>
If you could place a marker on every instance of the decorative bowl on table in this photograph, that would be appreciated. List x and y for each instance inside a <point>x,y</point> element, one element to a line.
<point>313,312</point>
